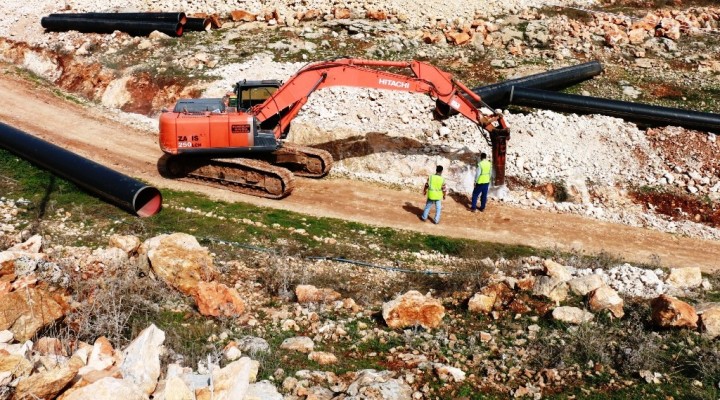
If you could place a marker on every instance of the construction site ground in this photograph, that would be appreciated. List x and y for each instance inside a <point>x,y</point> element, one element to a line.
<point>84,130</point>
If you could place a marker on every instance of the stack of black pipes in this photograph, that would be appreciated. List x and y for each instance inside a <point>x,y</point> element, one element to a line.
<point>136,24</point>
<point>539,91</point>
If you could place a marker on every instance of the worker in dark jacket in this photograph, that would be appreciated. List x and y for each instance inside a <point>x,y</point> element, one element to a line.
<point>482,183</point>
<point>436,191</point>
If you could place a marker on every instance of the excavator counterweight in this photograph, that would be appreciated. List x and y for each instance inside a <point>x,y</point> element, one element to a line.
<point>237,141</point>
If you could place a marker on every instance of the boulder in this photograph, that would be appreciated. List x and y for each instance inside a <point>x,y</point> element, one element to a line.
<point>48,346</point>
<point>377,15</point>
<point>231,351</point>
<point>25,312</point>
<point>554,289</point>
<point>302,344</point>
<point>180,261</point>
<point>157,35</point>
<point>341,13</point>
<point>614,36</point>
<point>232,382</point>
<point>710,321</point>
<point>141,359</point>
<point>637,36</point>
<point>127,243</point>
<point>6,336</point>
<point>458,38</point>
<point>449,373</point>
<point>108,389</point>
<point>176,389</point>
<point>371,384</point>
<point>253,345</point>
<point>572,315</point>
<point>18,366</point>
<point>649,22</point>
<point>585,284</point>
<point>46,385</point>
<point>311,294</point>
<point>491,297</point>
<point>606,298</point>
<point>22,258</point>
<point>557,271</point>
<point>216,300</point>
<point>32,245</point>
<point>102,356</point>
<point>481,303</point>
<point>242,16</point>
<point>685,278</point>
<point>412,309</point>
<point>322,358</point>
<point>262,390</point>
<point>538,33</point>
<point>670,28</point>
<point>669,312</point>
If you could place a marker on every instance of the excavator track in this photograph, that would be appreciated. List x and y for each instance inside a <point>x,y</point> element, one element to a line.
<point>241,175</point>
<point>303,161</point>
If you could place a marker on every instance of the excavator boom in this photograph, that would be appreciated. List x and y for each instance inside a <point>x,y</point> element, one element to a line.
<point>284,105</point>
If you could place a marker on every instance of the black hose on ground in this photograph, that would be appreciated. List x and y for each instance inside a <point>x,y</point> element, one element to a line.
<point>197,24</point>
<point>112,186</point>
<point>497,95</point>
<point>642,114</point>
<point>135,28</point>
<point>178,17</point>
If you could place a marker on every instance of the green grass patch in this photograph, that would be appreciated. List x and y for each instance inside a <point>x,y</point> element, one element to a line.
<point>185,333</point>
<point>39,81</point>
<point>47,194</point>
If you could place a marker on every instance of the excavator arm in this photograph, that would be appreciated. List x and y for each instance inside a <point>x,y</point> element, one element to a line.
<point>287,101</point>
<point>284,105</point>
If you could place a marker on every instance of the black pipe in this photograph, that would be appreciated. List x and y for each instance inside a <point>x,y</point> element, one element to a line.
<point>178,17</point>
<point>642,114</point>
<point>197,24</point>
<point>497,95</point>
<point>110,185</point>
<point>135,28</point>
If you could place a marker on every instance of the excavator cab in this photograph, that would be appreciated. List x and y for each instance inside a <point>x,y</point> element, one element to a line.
<point>252,93</point>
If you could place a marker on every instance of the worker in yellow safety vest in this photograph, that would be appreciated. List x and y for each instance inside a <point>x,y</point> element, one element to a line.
<point>482,183</point>
<point>436,191</point>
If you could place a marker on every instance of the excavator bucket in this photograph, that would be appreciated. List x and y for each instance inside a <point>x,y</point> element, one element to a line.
<point>498,141</point>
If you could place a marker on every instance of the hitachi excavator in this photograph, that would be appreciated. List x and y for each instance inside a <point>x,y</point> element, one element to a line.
<point>240,145</point>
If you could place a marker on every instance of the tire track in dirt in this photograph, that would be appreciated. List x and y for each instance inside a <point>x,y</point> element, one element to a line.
<point>87,132</point>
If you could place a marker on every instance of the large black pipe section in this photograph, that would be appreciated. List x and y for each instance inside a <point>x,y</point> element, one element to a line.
<point>135,28</point>
<point>642,114</point>
<point>497,95</point>
<point>110,185</point>
<point>197,24</point>
<point>178,17</point>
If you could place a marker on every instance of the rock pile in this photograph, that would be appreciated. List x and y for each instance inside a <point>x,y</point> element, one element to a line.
<point>55,368</point>
<point>398,140</point>
<point>322,327</point>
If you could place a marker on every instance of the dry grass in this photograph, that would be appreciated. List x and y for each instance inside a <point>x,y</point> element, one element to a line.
<point>108,303</point>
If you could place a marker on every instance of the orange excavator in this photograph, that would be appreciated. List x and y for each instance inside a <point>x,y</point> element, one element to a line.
<point>239,144</point>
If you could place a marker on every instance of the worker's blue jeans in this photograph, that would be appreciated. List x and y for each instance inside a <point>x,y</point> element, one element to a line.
<point>438,208</point>
<point>480,188</point>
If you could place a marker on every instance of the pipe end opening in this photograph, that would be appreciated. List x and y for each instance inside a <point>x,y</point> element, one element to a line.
<point>147,202</point>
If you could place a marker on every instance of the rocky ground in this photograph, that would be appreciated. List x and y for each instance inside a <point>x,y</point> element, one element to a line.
<point>79,323</point>
<point>82,322</point>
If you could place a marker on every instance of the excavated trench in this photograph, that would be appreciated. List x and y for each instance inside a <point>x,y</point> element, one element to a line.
<point>379,142</point>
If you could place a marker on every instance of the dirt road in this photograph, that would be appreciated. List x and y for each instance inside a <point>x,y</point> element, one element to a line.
<point>87,132</point>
